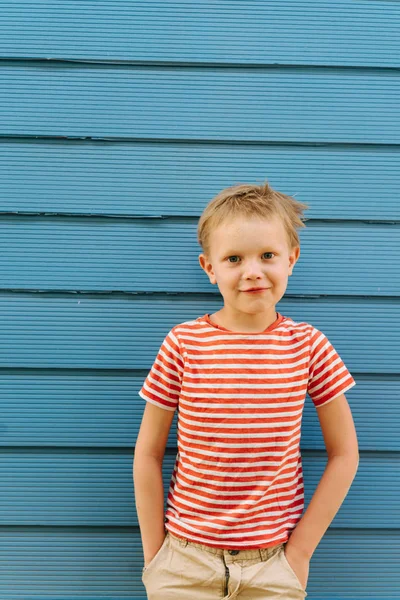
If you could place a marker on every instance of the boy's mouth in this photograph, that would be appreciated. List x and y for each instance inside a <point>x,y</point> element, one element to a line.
<point>254,290</point>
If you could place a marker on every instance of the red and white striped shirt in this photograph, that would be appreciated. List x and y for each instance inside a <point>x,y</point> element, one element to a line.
<point>237,481</point>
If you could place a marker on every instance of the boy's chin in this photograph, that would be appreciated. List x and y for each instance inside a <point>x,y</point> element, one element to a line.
<point>257,310</point>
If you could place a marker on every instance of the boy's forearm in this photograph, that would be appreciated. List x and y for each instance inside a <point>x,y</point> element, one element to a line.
<point>328,497</point>
<point>149,500</point>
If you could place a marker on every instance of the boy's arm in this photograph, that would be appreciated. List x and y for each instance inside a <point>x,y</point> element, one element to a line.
<point>342,448</point>
<point>147,476</point>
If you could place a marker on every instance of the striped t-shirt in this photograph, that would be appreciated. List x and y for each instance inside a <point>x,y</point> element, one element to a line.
<point>237,481</point>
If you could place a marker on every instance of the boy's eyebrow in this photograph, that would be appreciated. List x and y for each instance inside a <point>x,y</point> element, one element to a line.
<point>264,248</point>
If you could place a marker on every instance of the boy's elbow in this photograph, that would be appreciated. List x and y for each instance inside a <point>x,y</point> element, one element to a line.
<point>145,455</point>
<point>350,459</point>
<point>145,464</point>
<point>354,461</point>
<point>357,460</point>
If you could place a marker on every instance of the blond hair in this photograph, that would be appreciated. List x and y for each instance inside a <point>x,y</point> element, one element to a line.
<point>251,200</point>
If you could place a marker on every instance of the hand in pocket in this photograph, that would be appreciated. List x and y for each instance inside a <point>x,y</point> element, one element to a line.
<point>299,564</point>
<point>149,558</point>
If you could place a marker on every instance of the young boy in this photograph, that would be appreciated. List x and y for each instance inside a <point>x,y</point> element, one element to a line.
<point>233,527</point>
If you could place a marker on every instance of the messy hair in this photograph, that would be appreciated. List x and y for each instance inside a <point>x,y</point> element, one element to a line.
<point>247,200</point>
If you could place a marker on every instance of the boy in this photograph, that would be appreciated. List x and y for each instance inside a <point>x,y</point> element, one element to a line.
<point>234,526</point>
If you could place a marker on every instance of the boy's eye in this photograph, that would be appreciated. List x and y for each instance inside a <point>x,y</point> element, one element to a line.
<point>236,258</point>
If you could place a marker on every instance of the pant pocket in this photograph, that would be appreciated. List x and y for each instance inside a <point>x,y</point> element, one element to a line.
<point>290,570</point>
<point>155,558</point>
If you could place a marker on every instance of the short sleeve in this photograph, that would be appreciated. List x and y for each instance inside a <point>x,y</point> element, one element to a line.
<point>328,375</point>
<point>162,385</point>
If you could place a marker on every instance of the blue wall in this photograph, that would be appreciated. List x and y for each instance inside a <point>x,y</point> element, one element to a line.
<point>119,121</point>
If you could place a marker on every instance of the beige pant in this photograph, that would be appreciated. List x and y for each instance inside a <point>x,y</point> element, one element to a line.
<point>183,570</point>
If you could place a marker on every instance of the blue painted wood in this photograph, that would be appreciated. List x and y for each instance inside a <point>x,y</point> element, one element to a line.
<point>193,98</point>
<point>96,563</point>
<point>89,487</point>
<point>78,331</point>
<point>183,103</point>
<point>99,409</point>
<point>108,255</point>
<point>242,32</point>
<point>65,563</point>
<point>375,407</point>
<point>179,178</point>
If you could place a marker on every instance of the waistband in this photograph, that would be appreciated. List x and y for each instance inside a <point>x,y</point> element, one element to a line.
<point>249,554</point>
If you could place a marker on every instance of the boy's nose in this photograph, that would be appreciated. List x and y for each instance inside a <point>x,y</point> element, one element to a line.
<point>252,277</point>
<point>252,271</point>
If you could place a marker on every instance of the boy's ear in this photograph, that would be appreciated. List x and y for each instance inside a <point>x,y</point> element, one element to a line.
<point>293,258</point>
<point>207,267</point>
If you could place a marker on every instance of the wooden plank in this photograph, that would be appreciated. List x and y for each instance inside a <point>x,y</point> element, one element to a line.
<point>85,177</point>
<point>89,564</point>
<point>244,32</point>
<point>143,255</point>
<point>79,331</point>
<point>184,103</point>
<point>94,488</point>
<point>101,409</point>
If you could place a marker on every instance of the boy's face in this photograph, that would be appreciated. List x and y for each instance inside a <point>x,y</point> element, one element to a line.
<point>250,253</point>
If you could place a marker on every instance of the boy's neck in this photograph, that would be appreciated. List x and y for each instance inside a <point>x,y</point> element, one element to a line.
<point>254,324</point>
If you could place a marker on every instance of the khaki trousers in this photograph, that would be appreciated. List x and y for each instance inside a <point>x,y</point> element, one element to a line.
<point>184,570</point>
